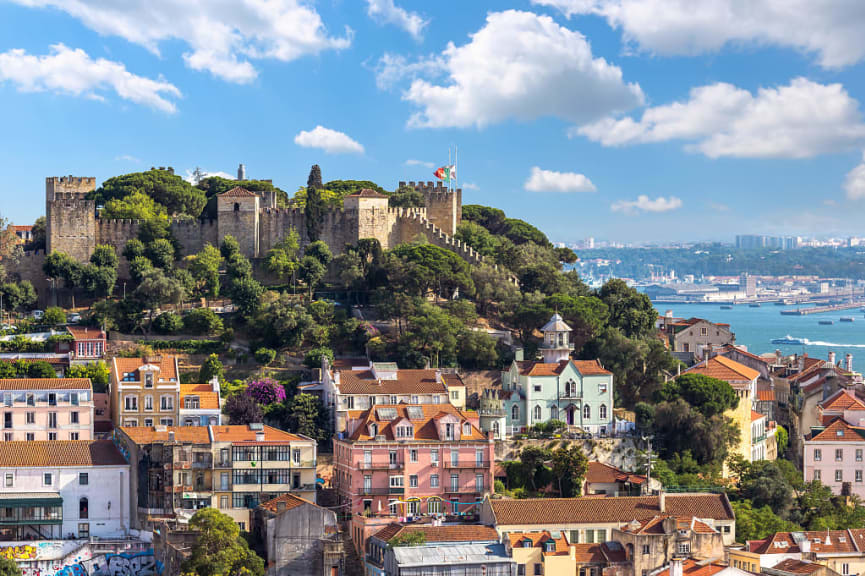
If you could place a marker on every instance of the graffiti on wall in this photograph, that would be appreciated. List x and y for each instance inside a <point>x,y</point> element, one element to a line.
<point>25,552</point>
<point>134,564</point>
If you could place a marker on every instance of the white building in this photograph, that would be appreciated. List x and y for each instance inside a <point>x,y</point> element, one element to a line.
<point>65,488</point>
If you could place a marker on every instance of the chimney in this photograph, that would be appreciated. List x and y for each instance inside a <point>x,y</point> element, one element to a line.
<point>259,436</point>
<point>832,358</point>
<point>802,362</point>
<point>778,356</point>
<point>171,435</point>
<point>662,502</point>
<point>518,354</point>
<point>214,384</point>
<point>676,567</point>
<point>241,172</point>
<point>668,314</point>
<point>573,553</point>
<point>848,362</point>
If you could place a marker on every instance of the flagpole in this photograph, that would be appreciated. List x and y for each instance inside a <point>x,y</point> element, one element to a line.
<point>449,163</point>
<point>456,165</point>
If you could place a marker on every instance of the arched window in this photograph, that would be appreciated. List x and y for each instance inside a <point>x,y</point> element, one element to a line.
<point>554,412</point>
<point>538,413</point>
<point>569,389</point>
<point>602,412</point>
<point>467,429</point>
<point>587,412</point>
<point>237,206</point>
<point>515,412</point>
<point>82,509</point>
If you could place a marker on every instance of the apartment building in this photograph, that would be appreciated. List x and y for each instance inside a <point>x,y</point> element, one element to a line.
<point>842,551</point>
<point>834,456</point>
<point>63,489</point>
<point>145,391</point>
<point>546,553</point>
<point>36,409</point>
<point>232,468</point>
<point>88,344</point>
<point>411,460</point>
<point>200,404</point>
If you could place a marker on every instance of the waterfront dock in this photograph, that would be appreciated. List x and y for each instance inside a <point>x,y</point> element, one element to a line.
<point>821,309</point>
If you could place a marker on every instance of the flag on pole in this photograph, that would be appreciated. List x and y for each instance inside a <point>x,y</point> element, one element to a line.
<point>446,173</point>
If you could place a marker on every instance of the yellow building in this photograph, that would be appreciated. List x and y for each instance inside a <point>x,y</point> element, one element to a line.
<point>743,380</point>
<point>145,391</point>
<point>551,553</point>
<point>840,550</point>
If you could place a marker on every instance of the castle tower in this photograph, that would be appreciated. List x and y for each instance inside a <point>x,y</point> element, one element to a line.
<point>70,218</point>
<point>556,346</point>
<point>444,207</point>
<point>371,209</point>
<point>237,215</point>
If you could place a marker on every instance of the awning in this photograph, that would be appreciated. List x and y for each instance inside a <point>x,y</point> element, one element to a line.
<point>24,499</point>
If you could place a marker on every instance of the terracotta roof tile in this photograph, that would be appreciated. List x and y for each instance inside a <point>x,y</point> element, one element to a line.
<point>794,566</point>
<point>447,533</point>
<point>167,367</point>
<point>590,367</point>
<point>838,431</point>
<point>600,473</point>
<point>207,398</point>
<point>407,382</point>
<point>730,348</point>
<point>692,568</point>
<point>839,541</point>
<point>585,552</point>
<point>552,511</point>
<point>60,453</point>
<point>766,395</point>
<point>424,428</point>
<point>45,384</point>
<point>283,503</point>
<point>237,434</point>
<point>723,368</point>
<point>86,333</point>
<point>161,434</point>
<point>238,192</point>
<point>841,400</point>
<point>756,415</point>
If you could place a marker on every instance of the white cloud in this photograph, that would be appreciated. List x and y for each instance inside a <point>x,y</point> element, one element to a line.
<point>387,12</point>
<point>799,120</point>
<point>128,158</point>
<point>190,175</point>
<point>551,181</point>
<point>470,186</point>
<point>413,162</point>
<point>393,68</point>
<point>644,204</point>
<point>73,71</point>
<point>829,29</point>
<point>223,36</point>
<point>854,183</point>
<point>519,66</point>
<point>331,141</point>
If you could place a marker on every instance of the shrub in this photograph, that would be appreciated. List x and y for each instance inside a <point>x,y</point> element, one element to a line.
<point>499,486</point>
<point>265,356</point>
<point>266,391</point>
<point>202,321</point>
<point>54,316</point>
<point>188,346</point>
<point>168,323</point>
<point>314,356</point>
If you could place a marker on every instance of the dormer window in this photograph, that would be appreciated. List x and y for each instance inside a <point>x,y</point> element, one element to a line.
<point>527,543</point>
<point>148,380</point>
<point>467,429</point>
<point>373,430</point>
<point>404,432</point>
<point>191,403</point>
<point>549,546</point>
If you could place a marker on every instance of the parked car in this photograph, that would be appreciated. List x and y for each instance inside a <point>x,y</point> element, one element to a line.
<point>73,318</point>
<point>8,327</point>
<point>38,314</point>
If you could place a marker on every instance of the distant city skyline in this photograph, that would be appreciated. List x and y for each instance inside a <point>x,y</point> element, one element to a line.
<point>700,123</point>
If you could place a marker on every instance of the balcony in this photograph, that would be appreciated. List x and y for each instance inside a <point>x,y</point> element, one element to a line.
<point>381,465</point>
<point>304,488</point>
<point>467,464</point>
<point>758,439</point>
<point>382,491</point>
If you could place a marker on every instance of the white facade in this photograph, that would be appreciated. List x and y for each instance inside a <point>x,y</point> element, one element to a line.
<point>95,498</point>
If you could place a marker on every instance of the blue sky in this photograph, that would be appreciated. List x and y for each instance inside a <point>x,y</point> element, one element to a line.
<point>654,120</point>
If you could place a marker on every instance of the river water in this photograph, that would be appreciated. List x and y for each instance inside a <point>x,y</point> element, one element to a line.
<point>755,327</point>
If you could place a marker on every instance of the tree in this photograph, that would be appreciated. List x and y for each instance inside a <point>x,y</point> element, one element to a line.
<point>133,249</point>
<point>433,333</point>
<point>494,287</point>
<point>782,438</point>
<point>533,459</point>
<point>758,523</point>
<point>245,294</point>
<point>59,265</point>
<point>282,258</point>
<point>765,484</point>
<point>18,295</point>
<point>219,550</point>
<point>210,368</point>
<point>202,321</point>
<point>682,428</point>
<point>135,206</point>
<point>138,267</point>
<point>710,396</point>
<point>406,197</point>
<point>54,316</point>
<point>229,247</point>
<point>98,373</point>
<point>422,268</point>
<point>476,349</point>
<point>161,253</point>
<point>315,205</point>
<point>630,311</point>
<point>313,358</point>
<point>104,256</point>
<point>311,272</point>
<point>242,409</point>
<point>308,417</point>
<point>204,268</point>
<point>265,356</point>
<point>162,186</point>
<point>569,467</point>
<point>98,281</point>
<point>156,288</point>
<point>38,235</point>
<point>9,567</point>
<point>280,322</point>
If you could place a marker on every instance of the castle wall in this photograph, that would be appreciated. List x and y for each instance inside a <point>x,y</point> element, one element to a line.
<point>192,235</point>
<point>275,225</point>
<point>413,225</point>
<point>239,217</point>
<point>443,206</point>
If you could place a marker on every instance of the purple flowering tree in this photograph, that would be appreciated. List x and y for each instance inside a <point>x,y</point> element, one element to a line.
<point>266,391</point>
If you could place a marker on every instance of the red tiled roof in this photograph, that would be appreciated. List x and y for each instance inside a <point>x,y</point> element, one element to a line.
<point>238,434</point>
<point>86,333</point>
<point>407,382</point>
<point>45,384</point>
<point>692,568</point>
<point>840,541</point>
<point>283,503</point>
<point>182,434</point>
<point>655,525</point>
<point>728,348</point>
<point>794,566</point>
<point>424,428</point>
<point>167,367</point>
<point>766,395</point>
<point>584,367</point>
<point>60,453</point>
<point>448,533</point>
<point>723,368</point>
<point>600,473</point>
<point>623,509</point>
<point>590,367</point>
<point>237,192</point>
<point>838,431</point>
<point>207,398</point>
<point>756,415</point>
<point>841,400</point>
<point>538,539</point>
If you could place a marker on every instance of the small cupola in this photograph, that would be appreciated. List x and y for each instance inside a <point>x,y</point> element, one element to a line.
<point>557,335</point>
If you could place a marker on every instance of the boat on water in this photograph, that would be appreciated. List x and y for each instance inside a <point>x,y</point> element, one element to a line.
<point>787,340</point>
<point>825,322</point>
<point>726,307</point>
<point>847,319</point>
<point>754,305</point>
<point>782,303</point>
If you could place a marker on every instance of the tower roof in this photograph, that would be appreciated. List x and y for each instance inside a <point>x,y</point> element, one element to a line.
<point>367,193</point>
<point>556,324</point>
<point>238,192</point>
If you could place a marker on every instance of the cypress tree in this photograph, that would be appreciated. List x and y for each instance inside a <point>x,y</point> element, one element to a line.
<point>314,210</point>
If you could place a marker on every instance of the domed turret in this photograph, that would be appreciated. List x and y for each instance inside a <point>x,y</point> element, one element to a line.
<point>557,345</point>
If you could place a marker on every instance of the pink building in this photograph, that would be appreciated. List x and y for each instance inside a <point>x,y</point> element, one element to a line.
<point>46,409</point>
<point>413,459</point>
<point>88,344</point>
<point>834,456</point>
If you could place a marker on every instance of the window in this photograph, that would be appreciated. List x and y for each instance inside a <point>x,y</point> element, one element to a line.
<point>683,547</point>
<point>587,412</point>
<point>455,482</point>
<point>148,403</point>
<point>223,502</point>
<point>554,412</point>
<point>521,570</point>
<point>434,506</point>
<point>845,569</point>
<point>537,414</point>
<point>166,403</point>
<point>148,422</point>
<point>539,569</point>
<point>602,412</point>
<point>9,481</point>
<point>537,388</point>
<point>31,400</point>
<point>191,403</point>
<point>455,395</point>
<point>704,331</point>
<point>434,481</point>
<point>479,482</point>
<point>31,417</point>
<point>73,435</point>
<point>52,419</point>
<point>467,429</point>
<point>515,412</point>
<point>52,435</point>
<point>646,550</point>
<point>392,457</point>
<point>818,455</point>
<point>602,388</point>
<point>30,436</point>
<point>73,398</point>
<point>130,403</point>
<point>404,432</point>
<point>839,476</point>
<point>858,454</point>
<point>434,457</point>
<point>396,482</point>
<point>73,417</point>
<point>412,455</point>
<point>412,481</point>
<point>839,455</point>
<point>52,399</point>
<point>166,421</point>
<point>83,479</point>
<point>7,419</point>
<point>449,431</point>
<point>84,530</point>
<point>479,457</point>
<point>47,479</point>
<point>367,483</point>
<point>7,436</point>
<point>394,400</point>
<point>82,508</point>
<point>148,380</point>
<point>858,475</point>
<point>817,475</point>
